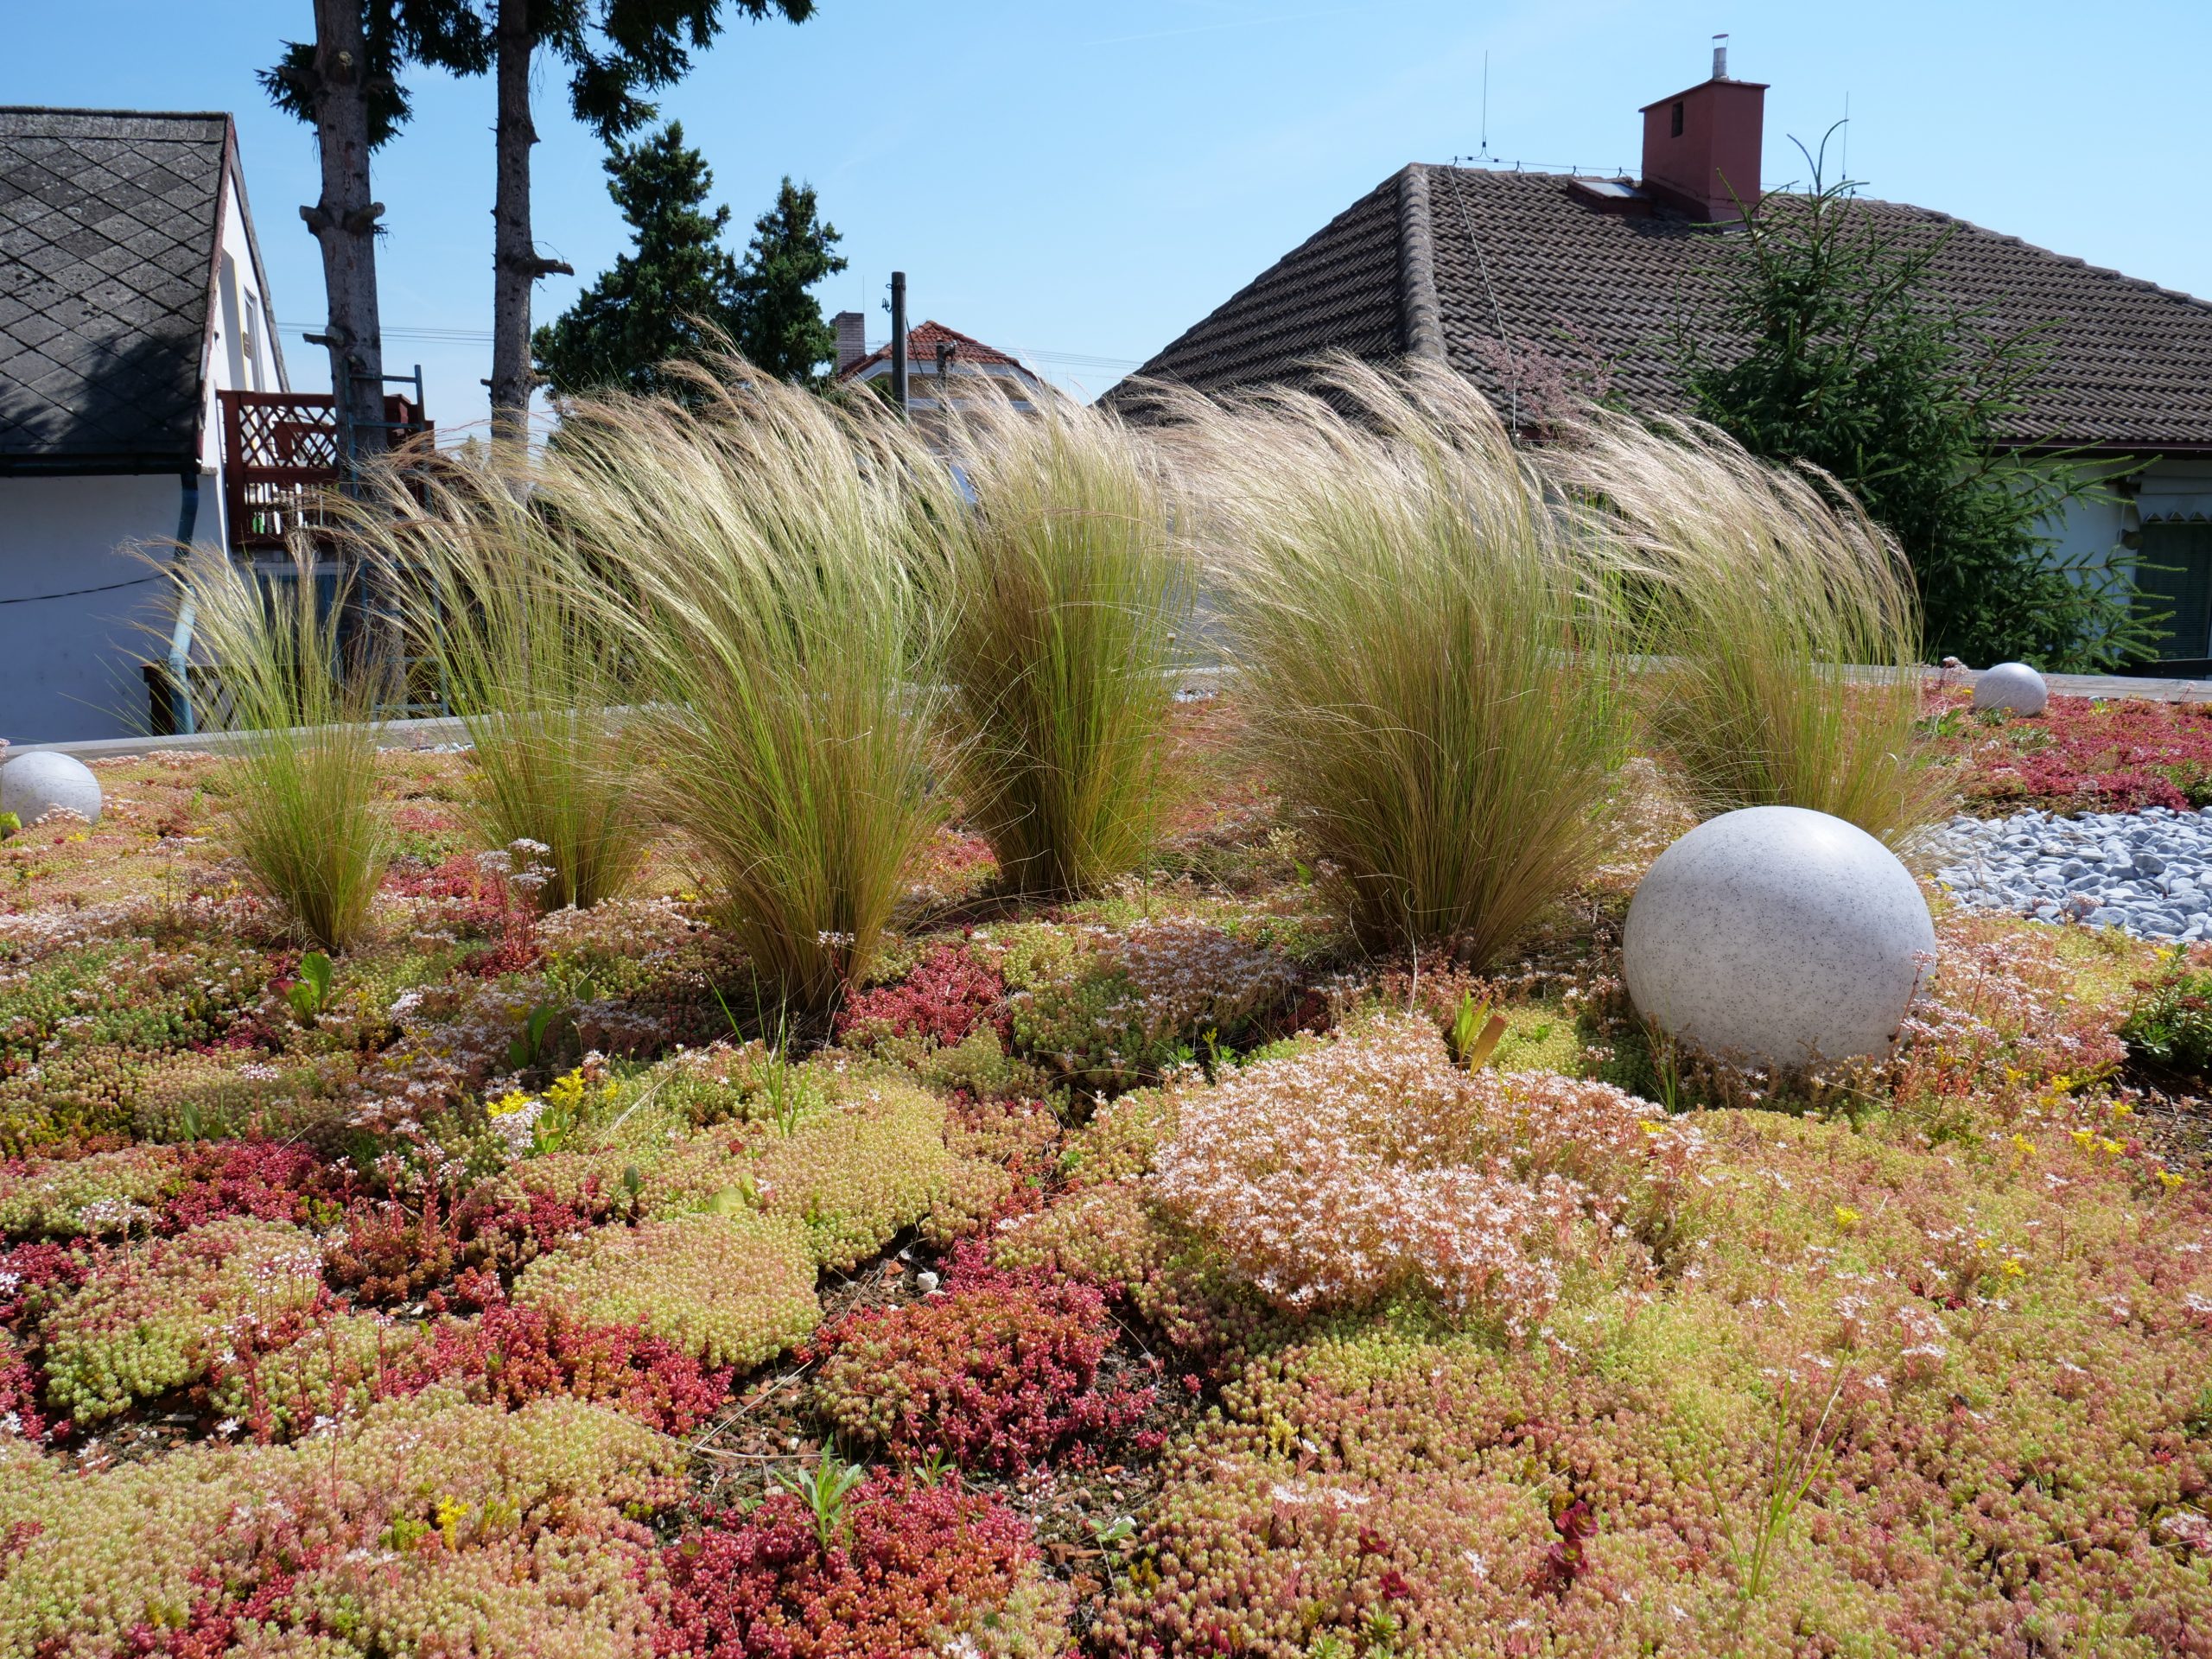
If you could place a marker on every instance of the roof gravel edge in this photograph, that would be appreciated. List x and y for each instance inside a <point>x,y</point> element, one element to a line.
<point>1421,312</point>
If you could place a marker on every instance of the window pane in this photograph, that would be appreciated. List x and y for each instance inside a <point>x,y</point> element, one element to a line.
<point>2181,583</point>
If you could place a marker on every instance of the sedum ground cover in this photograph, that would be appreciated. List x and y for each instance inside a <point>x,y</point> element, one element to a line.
<point>1150,1274</point>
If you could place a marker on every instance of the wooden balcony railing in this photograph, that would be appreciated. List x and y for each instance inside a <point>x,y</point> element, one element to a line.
<point>281,451</point>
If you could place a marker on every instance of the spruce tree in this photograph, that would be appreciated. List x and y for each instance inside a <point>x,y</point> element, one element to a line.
<point>780,325</point>
<point>660,301</point>
<point>1844,351</point>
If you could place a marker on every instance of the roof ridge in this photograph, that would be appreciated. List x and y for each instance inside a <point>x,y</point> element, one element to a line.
<point>127,115</point>
<point>1420,309</point>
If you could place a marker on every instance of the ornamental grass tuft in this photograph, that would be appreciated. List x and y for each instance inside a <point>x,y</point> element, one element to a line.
<point>522,649</point>
<point>1070,585</point>
<point>1781,625</point>
<point>769,549</point>
<point>303,708</point>
<point>1424,645</point>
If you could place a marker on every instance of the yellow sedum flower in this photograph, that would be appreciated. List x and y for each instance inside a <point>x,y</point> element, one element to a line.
<point>1846,1216</point>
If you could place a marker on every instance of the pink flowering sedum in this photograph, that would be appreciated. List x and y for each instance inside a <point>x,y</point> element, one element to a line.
<point>1376,1166</point>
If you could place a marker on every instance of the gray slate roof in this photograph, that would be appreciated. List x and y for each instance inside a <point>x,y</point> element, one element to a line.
<point>1457,260</point>
<point>108,226</point>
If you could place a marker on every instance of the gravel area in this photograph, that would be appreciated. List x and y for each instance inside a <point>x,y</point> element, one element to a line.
<point>2148,871</point>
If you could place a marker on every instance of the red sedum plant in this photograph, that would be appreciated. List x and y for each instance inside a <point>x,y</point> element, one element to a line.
<point>999,1372</point>
<point>911,1569</point>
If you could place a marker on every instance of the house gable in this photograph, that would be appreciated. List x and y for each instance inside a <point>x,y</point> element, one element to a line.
<point>109,246</point>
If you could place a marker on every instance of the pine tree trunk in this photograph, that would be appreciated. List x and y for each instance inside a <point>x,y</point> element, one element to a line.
<point>344,221</point>
<point>515,265</point>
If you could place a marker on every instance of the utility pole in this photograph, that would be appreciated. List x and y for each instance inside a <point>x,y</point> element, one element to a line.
<point>898,340</point>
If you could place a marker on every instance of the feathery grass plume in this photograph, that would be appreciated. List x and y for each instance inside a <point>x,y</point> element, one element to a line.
<point>1069,586</point>
<point>496,599</point>
<point>303,812</point>
<point>772,550</point>
<point>1772,596</point>
<point>1424,646</point>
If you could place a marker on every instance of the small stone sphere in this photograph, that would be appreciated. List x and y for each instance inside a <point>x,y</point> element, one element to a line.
<point>1777,936</point>
<point>33,785</point>
<point>2011,685</point>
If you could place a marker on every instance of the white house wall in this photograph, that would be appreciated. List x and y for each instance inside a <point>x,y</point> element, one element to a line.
<point>69,658</point>
<point>76,602</point>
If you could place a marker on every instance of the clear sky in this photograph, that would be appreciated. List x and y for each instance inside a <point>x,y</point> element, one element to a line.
<point>1079,182</point>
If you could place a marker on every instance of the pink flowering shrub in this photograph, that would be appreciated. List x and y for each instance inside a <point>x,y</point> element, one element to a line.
<point>912,1569</point>
<point>999,1372</point>
<point>1376,1166</point>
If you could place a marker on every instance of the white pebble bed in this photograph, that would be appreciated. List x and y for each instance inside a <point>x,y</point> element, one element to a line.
<point>2148,871</point>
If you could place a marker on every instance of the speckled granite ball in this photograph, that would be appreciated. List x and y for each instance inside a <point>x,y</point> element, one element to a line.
<point>1778,936</point>
<point>2011,685</point>
<point>33,785</point>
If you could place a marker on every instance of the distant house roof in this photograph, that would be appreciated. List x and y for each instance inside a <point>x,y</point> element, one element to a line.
<point>1490,268</point>
<point>922,342</point>
<point>110,241</point>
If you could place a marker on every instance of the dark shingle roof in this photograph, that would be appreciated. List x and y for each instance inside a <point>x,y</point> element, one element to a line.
<point>1465,257</point>
<point>108,225</point>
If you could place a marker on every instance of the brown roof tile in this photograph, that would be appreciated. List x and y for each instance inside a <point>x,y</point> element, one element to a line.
<point>1525,258</point>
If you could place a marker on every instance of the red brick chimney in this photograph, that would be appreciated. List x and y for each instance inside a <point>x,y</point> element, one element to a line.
<point>1701,146</point>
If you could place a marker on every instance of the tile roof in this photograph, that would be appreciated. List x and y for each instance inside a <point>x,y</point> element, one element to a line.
<point>921,341</point>
<point>1458,259</point>
<point>108,225</point>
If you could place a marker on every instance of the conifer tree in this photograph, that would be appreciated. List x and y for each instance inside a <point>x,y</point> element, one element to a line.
<point>780,325</point>
<point>658,300</point>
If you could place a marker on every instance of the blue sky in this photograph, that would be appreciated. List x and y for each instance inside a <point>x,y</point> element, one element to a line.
<point>1080,183</point>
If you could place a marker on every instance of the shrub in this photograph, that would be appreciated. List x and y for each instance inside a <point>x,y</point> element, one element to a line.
<point>1769,596</point>
<point>303,813</point>
<point>766,548</point>
<point>913,1569</point>
<point>1377,1165</point>
<point>523,656</point>
<point>1424,648</point>
<point>138,1328</point>
<point>999,1373</point>
<point>728,1289</point>
<point>1068,589</point>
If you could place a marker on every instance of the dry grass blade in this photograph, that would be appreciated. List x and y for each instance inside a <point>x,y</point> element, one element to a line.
<point>1070,587</point>
<point>303,810</point>
<point>1423,645</point>
<point>1782,625</point>
<point>768,550</point>
<point>501,606</point>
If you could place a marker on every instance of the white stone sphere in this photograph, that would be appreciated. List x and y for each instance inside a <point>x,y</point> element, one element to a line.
<point>2011,685</point>
<point>33,785</point>
<point>1778,936</point>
